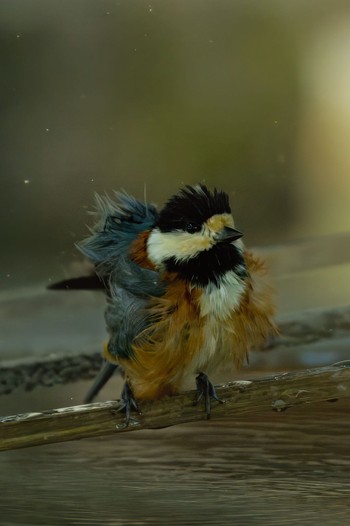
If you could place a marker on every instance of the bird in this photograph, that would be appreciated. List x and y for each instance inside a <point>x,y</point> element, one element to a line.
<point>185,297</point>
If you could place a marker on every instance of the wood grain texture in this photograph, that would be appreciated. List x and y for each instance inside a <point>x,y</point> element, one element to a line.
<point>276,392</point>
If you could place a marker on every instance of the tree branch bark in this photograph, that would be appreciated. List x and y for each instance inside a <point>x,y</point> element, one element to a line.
<point>276,392</point>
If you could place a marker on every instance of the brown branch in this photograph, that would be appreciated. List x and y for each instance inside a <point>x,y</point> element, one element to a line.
<point>276,392</point>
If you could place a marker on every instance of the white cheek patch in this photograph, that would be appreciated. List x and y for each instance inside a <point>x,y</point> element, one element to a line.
<point>178,244</point>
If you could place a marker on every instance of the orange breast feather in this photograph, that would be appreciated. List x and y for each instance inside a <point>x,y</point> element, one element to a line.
<point>163,352</point>
<point>253,321</point>
<point>166,351</point>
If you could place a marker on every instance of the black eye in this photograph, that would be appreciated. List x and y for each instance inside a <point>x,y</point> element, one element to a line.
<point>192,227</point>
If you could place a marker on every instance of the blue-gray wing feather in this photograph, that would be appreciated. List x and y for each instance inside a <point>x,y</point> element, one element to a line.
<point>120,221</point>
<point>129,286</point>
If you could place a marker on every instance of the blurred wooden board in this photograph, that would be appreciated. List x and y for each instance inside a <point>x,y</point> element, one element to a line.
<point>313,327</point>
<point>289,468</point>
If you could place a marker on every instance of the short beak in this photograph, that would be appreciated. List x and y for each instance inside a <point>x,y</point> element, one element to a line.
<point>227,235</point>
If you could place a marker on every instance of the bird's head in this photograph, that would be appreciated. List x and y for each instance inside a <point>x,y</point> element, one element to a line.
<point>195,236</point>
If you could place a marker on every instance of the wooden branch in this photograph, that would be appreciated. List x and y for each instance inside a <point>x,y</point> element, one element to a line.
<point>276,392</point>
<point>296,329</point>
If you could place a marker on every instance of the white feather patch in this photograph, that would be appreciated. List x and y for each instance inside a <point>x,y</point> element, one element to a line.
<point>217,304</point>
<point>222,300</point>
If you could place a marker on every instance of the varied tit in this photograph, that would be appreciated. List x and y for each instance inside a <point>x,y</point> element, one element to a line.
<point>184,295</point>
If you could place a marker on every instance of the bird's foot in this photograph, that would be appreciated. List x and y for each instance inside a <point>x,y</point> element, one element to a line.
<point>206,389</point>
<point>128,403</point>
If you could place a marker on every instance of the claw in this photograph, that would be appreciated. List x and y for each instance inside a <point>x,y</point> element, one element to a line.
<point>205,388</point>
<point>128,403</point>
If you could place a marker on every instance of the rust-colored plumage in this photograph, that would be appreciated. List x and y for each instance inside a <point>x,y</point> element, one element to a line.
<point>166,353</point>
<point>138,251</point>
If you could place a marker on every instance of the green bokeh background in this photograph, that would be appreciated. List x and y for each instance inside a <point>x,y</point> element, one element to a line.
<point>99,95</point>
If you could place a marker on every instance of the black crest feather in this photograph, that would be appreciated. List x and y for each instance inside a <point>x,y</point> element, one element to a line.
<point>192,204</point>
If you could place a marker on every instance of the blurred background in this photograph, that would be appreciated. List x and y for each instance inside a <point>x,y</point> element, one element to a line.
<point>252,97</point>
<point>249,96</point>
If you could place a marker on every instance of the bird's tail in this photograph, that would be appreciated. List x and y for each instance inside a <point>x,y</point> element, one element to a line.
<point>91,282</point>
<point>107,370</point>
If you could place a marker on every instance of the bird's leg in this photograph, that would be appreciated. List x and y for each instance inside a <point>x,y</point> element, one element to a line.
<point>205,388</point>
<point>128,403</point>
